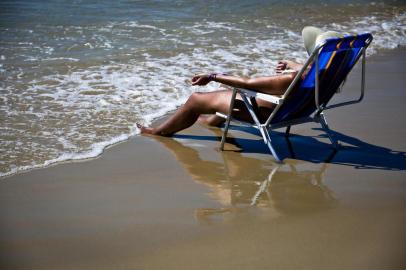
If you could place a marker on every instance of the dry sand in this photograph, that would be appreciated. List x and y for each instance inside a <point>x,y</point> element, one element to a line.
<point>161,203</point>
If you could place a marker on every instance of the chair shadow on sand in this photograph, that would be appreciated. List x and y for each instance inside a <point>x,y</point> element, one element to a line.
<point>352,151</point>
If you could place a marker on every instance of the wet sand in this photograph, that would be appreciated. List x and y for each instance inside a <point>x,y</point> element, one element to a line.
<point>161,203</point>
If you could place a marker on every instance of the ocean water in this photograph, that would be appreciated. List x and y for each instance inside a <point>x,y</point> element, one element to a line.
<point>75,76</point>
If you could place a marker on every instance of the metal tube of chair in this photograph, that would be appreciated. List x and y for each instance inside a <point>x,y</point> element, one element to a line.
<point>250,109</point>
<point>363,74</point>
<point>287,131</point>
<point>316,97</point>
<point>223,138</point>
<point>253,115</point>
<point>326,128</point>
<point>270,146</point>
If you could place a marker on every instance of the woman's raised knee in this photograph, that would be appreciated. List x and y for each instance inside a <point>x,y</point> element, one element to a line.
<point>196,99</point>
<point>201,102</point>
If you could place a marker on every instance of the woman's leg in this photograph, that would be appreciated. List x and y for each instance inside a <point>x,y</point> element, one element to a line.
<point>211,120</point>
<point>196,105</point>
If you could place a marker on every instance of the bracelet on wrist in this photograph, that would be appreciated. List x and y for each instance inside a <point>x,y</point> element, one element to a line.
<point>212,76</point>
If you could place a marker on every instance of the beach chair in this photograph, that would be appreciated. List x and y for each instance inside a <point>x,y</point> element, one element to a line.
<point>305,100</point>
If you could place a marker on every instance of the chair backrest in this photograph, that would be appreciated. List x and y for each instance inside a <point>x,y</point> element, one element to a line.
<point>337,57</point>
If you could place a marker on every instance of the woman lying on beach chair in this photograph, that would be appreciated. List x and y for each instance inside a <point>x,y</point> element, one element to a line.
<point>202,107</point>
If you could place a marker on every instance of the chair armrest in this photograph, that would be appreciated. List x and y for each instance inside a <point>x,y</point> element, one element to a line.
<point>266,97</point>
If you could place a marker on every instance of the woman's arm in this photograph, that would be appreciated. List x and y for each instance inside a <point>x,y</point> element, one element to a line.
<point>274,85</point>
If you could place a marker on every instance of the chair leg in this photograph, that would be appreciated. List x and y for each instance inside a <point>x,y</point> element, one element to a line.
<point>326,128</point>
<point>264,131</point>
<point>223,138</point>
<point>287,132</point>
<point>268,142</point>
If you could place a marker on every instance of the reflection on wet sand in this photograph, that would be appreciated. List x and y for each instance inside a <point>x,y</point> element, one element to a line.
<point>239,183</point>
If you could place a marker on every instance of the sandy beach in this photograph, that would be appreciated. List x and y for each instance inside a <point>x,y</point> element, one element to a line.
<point>163,203</point>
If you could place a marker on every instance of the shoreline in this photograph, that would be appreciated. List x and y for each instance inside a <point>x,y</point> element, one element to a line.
<point>114,141</point>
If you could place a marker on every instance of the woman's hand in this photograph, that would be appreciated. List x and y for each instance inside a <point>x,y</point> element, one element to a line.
<point>287,65</point>
<point>282,65</point>
<point>201,79</point>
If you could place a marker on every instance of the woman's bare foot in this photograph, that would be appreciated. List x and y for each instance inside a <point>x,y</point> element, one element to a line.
<point>145,130</point>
